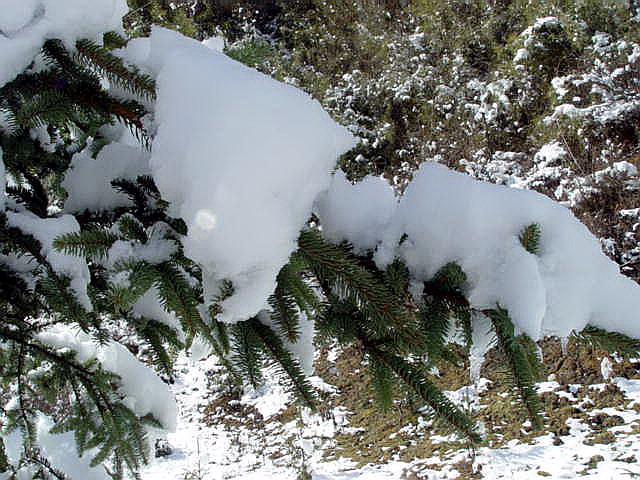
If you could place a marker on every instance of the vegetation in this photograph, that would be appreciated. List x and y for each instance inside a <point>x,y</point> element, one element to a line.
<point>463,84</point>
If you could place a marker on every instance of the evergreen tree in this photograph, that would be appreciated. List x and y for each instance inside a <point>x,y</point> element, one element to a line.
<point>348,297</point>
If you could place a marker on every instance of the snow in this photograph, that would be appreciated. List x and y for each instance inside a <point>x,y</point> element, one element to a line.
<point>550,153</point>
<point>144,391</point>
<point>26,24</point>
<point>481,342</point>
<point>56,448</point>
<point>606,368</point>
<point>88,181</point>
<point>149,306</point>
<point>216,450</point>
<point>45,230</point>
<point>356,212</point>
<point>241,163</point>
<point>155,250</point>
<point>214,43</point>
<point>449,217</point>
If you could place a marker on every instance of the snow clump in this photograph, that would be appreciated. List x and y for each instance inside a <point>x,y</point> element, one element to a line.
<point>240,157</point>
<point>446,216</point>
<point>26,24</point>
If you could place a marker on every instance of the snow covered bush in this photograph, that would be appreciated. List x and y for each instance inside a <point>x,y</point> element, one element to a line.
<point>157,195</point>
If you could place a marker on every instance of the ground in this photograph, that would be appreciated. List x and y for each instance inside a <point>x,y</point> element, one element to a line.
<point>592,425</point>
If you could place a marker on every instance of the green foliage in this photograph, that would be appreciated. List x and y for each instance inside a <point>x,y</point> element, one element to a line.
<point>253,52</point>
<point>416,378</point>
<point>113,69</point>
<point>610,341</point>
<point>274,347</point>
<point>530,238</point>
<point>350,299</point>
<point>523,364</point>
<point>88,243</point>
<point>67,99</point>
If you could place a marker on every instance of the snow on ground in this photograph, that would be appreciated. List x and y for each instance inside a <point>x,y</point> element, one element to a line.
<point>213,442</point>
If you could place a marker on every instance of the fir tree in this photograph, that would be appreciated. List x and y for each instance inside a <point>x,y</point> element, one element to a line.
<point>350,299</point>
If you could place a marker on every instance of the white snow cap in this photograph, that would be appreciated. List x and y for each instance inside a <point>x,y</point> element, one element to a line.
<point>450,217</point>
<point>240,157</point>
<point>26,24</point>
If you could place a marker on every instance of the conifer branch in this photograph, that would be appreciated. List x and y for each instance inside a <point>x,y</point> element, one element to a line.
<point>349,280</point>
<point>247,355</point>
<point>530,238</point>
<point>283,309</point>
<point>416,378</point>
<point>519,361</point>
<point>87,243</point>
<point>610,341</point>
<point>289,364</point>
<point>113,68</point>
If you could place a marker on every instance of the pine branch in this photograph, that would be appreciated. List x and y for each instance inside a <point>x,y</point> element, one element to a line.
<point>289,364</point>
<point>442,297</point>
<point>610,341</point>
<point>416,378</point>
<point>87,243</point>
<point>382,383</point>
<point>132,229</point>
<point>519,361</point>
<point>247,355</point>
<point>330,264</point>
<point>283,308</point>
<point>530,238</point>
<point>435,318</point>
<point>113,68</point>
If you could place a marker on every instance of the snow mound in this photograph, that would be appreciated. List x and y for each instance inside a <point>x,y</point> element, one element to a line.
<point>240,157</point>
<point>356,212</point>
<point>26,24</point>
<point>446,216</point>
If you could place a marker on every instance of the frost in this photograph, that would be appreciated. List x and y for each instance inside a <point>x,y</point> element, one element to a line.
<point>241,163</point>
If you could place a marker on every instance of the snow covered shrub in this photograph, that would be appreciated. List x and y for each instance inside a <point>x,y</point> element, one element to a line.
<point>158,193</point>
